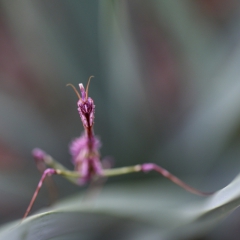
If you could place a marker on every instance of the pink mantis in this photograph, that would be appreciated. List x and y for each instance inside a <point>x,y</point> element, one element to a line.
<point>86,157</point>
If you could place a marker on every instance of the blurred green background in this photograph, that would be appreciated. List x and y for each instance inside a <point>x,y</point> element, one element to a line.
<point>166,90</point>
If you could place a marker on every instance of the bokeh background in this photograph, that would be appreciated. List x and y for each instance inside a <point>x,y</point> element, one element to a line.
<point>166,89</point>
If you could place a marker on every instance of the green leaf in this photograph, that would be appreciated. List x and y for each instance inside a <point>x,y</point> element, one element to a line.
<point>147,209</point>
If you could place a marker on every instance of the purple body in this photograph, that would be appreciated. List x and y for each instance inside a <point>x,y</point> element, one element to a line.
<point>85,149</point>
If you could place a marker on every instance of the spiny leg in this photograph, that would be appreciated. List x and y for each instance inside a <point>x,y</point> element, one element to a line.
<point>70,175</point>
<point>50,184</point>
<point>153,167</point>
<point>51,163</point>
<point>49,172</point>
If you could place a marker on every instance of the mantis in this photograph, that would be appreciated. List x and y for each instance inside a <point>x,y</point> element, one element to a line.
<point>86,157</point>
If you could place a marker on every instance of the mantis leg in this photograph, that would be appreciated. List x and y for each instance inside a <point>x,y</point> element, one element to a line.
<point>153,167</point>
<point>40,156</point>
<point>49,172</point>
<point>51,186</point>
<point>74,176</point>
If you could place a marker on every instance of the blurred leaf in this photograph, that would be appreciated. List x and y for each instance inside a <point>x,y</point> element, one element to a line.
<point>162,210</point>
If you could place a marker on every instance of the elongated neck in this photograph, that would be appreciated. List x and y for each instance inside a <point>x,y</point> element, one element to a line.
<point>89,132</point>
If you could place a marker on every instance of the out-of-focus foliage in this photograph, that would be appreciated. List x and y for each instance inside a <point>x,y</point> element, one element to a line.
<point>150,211</point>
<point>166,89</point>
